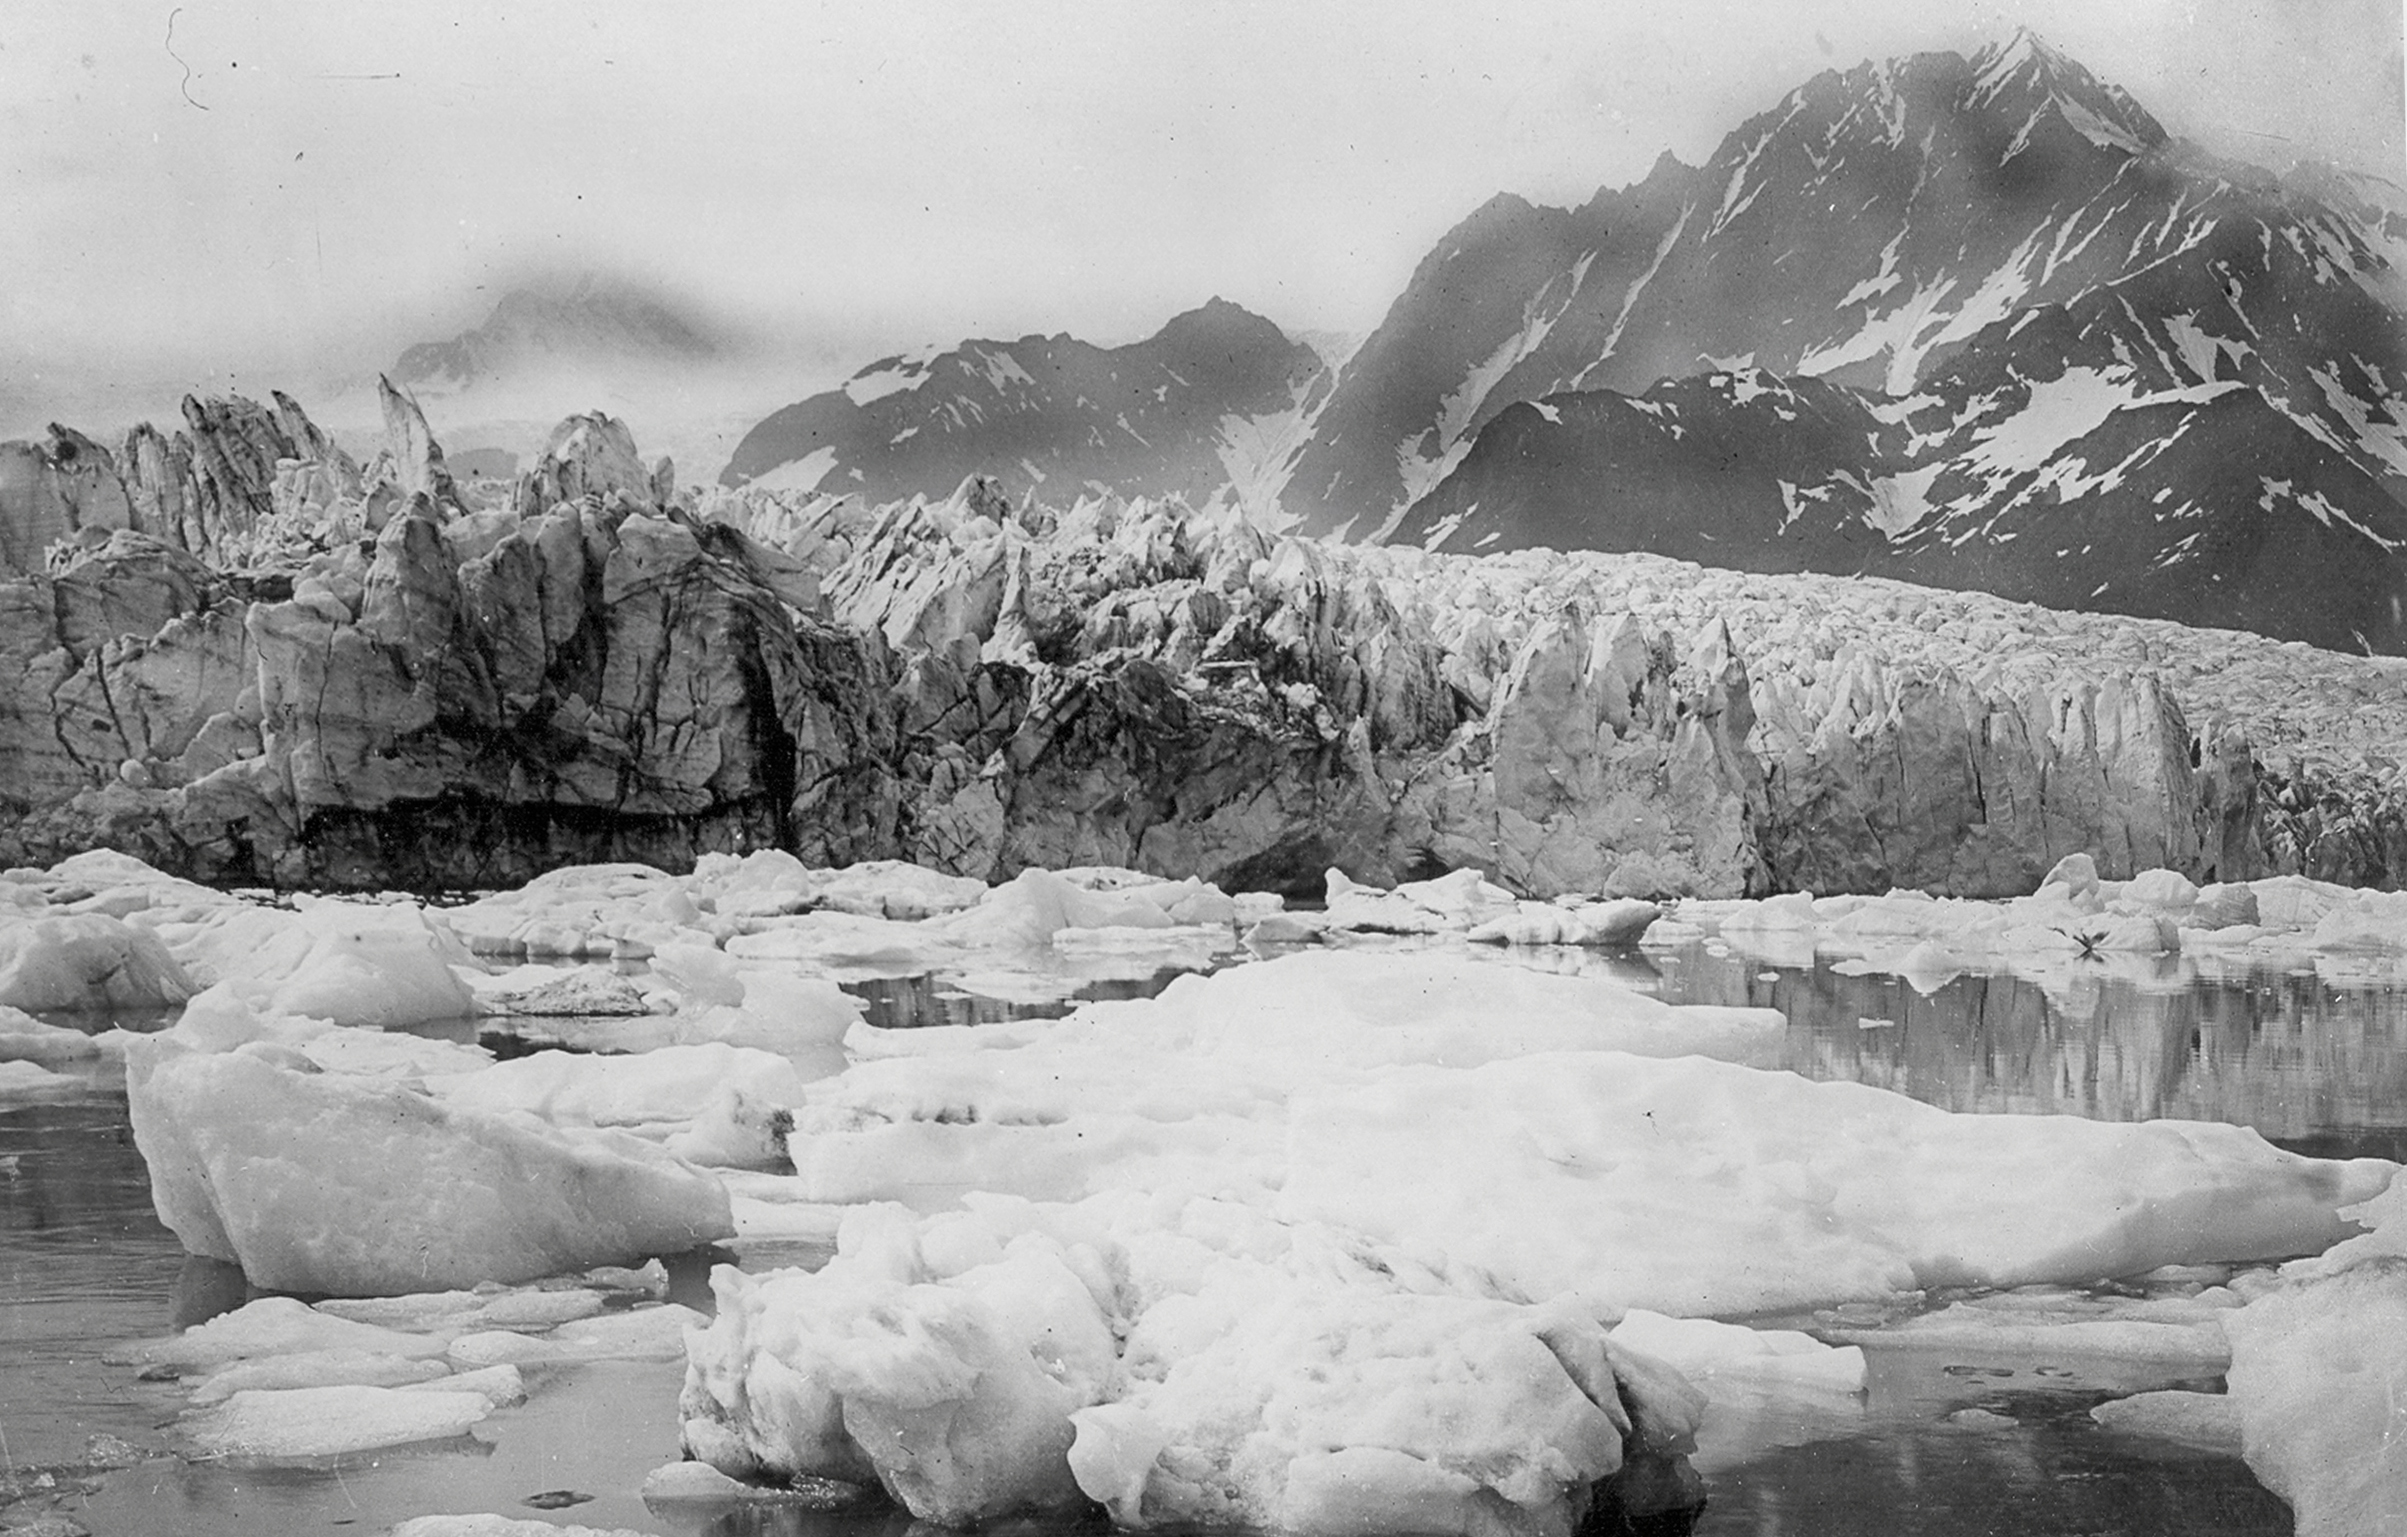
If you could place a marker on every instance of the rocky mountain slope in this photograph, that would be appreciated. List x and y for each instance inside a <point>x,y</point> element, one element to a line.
<point>1971,322</point>
<point>1211,404</point>
<point>604,668</point>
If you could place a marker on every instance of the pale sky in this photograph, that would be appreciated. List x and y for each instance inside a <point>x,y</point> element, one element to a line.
<point>308,184</point>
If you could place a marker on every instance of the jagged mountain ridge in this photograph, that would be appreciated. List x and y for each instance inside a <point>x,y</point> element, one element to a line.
<point>1203,406</point>
<point>2213,436</point>
<point>1860,227</point>
<point>2090,367</point>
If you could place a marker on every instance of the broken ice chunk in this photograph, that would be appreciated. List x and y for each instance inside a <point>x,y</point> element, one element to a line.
<point>328,1183</point>
<point>322,1421</point>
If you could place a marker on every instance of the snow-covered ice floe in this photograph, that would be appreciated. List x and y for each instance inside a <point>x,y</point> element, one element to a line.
<point>1154,1241</point>
<point>2077,919</point>
<point>278,1380</point>
<point>1178,1361</point>
<point>347,1183</point>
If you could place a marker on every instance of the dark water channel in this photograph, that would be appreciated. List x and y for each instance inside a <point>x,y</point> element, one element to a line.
<point>1940,1444</point>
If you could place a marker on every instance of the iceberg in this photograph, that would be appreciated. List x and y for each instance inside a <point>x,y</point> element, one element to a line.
<point>1180,1361</point>
<point>1700,1188</point>
<point>333,1183</point>
<point>501,1526</point>
<point>324,1421</point>
<point>1059,1109</point>
<point>350,963</point>
<point>24,1038</point>
<point>2318,1374</point>
<point>86,962</point>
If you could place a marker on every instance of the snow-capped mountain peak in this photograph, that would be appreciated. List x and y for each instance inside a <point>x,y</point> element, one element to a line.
<point>2024,76</point>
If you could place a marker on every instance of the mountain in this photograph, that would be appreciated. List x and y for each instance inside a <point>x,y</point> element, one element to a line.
<point>595,326</point>
<point>1968,322</point>
<point>1210,404</point>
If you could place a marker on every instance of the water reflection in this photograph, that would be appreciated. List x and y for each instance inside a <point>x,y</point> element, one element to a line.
<point>907,1003</point>
<point>2317,1062</point>
<point>2049,1470</point>
<point>83,1263</point>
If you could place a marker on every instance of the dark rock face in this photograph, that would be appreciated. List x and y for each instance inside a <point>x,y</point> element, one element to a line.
<point>2207,506</point>
<point>1183,413</point>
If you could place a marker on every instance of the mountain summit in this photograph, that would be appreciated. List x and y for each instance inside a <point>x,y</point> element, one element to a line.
<point>592,325</point>
<point>1968,322</point>
<point>1861,229</point>
<point>1200,408</point>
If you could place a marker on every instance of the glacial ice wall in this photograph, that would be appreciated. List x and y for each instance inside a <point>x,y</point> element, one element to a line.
<point>376,685</point>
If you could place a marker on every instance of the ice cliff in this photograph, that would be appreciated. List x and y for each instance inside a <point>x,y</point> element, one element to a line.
<point>246,659</point>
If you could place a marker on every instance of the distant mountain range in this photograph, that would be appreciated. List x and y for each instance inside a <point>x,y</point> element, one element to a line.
<point>1217,399</point>
<point>1968,322</point>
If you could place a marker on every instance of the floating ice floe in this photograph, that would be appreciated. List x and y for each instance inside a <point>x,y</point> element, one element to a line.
<point>1270,1378</point>
<point>1622,921</point>
<point>501,1526</point>
<point>30,1079</point>
<point>221,1019</point>
<point>1570,1133</point>
<point>280,1380</point>
<point>325,1421</point>
<point>339,1183</point>
<point>2074,923</point>
<point>24,1038</point>
<point>1057,1109</point>
<point>2209,1422</point>
<point>85,962</point>
<point>1333,1179</point>
<point>1702,1188</point>
<point>353,963</point>
<point>1452,903</point>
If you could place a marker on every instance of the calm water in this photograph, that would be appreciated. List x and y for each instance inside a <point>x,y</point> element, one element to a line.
<point>2315,1066</point>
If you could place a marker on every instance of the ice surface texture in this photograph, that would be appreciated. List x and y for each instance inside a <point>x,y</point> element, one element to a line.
<point>331,1183</point>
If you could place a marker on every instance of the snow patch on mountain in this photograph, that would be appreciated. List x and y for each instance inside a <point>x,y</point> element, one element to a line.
<point>1629,300</point>
<point>2063,410</point>
<point>2383,438</point>
<point>2318,507</point>
<point>2098,130</point>
<point>1420,472</point>
<point>891,376</point>
<point>1900,503</point>
<point>1461,407</point>
<point>803,474</point>
<point>1259,452</point>
<point>1880,282</point>
<point>1732,204</point>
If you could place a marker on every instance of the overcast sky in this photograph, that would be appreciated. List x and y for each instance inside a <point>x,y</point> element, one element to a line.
<point>291,184</point>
